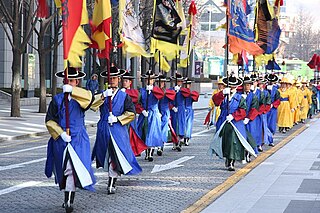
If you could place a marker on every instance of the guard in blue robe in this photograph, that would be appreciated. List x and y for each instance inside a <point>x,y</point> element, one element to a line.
<point>193,96</point>
<point>275,102</point>
<point>62,162</point>
<point>164,110</point>
<point>112,149</point>
<point>178,114</point>
<point>149,121</point>
<point>232,148</point>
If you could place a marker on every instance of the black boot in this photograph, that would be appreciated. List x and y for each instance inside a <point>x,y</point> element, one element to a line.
<point>147,154</point>
<point>150,158</point>
<point>159,151</point>
<point>186,142</point>
<point>112,185</point>
<point>231,165</point>
<point>68,201</point>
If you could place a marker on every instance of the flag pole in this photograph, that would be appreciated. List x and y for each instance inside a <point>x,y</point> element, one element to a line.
<point>188,52</point>
<point>226,62</point>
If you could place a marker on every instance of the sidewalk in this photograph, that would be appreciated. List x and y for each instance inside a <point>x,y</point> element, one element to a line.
<point>32,123</point>
<point>288,181</point>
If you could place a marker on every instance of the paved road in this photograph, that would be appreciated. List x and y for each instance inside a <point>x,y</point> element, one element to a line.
<point>24,187</point>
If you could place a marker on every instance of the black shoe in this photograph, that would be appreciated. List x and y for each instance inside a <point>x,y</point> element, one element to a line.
<point>186,142</point>
<point>111,186</point>
<point>159,152</point>
<point>271,144</point>
<point>260,149</point>
<point>147,154</point>
<point>150,159</point>
<point>178,148</point>
<point>68,201</point>
<point>231,168</point>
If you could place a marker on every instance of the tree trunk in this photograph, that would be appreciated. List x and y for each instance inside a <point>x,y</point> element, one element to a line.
<point>42,61</point>
<point>54,70</point>
<point>16,86</point>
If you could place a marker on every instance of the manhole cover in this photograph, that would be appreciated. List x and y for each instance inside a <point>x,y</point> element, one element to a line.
<point>132,182</point>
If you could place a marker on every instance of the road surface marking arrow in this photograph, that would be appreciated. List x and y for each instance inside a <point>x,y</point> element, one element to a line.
<point>171,165</point>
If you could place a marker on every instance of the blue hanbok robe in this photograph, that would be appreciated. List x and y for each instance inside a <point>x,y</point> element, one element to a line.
<point>179,118</point>
<point>113,141</point>
<point>254,125</point>
<point>149,129</point>
<point>165,116</point>
<point>79,141</point>
<point>189,117</point>
<point>273,113</point>
<point>232,148</point>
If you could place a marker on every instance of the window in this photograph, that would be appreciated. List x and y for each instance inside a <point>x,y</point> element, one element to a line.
<point>205,27</point>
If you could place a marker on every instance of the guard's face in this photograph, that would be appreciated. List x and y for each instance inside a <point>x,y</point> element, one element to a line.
<point>151,81</point>
<point>114,82</point>
<point>255,84</point>
<point>73,82</point>
<point>126,83</point>
<point>221,86</point>
<point>179,82</point>
<point>247,87</point>
<point>162,84</point>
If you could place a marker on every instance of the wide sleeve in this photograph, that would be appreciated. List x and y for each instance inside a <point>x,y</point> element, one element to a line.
<point>253,113</point>
<point>158,92</point>
<point>185,92</point>
<point>170,94</point>
<point>276,101</point>
<point>195,96</point>
<point>218,98</point>
<point>52,120</point>
<point>98,101</point>
<point>83,97</point>
<point>129,112</point>
<point>240,113</point>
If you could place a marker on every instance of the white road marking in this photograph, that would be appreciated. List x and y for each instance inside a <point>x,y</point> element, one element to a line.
<point>19,165</point>
<point>23,150</point>
<point>199,133</point>
<point>171,165</point>
<point>18,187</point>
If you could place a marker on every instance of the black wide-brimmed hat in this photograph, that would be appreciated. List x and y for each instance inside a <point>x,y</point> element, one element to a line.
<point>262,80</point>
<point>114,72</point>
<point>272,77</point>
<point>177,76</point>
<point>254,77</point>
<point>73,73</point>
<point>233,81</point>
<point>247,80</point>
<point>127,75</point>
<point>188,81</point>
<point>163,78</point>
<point>149,74</point>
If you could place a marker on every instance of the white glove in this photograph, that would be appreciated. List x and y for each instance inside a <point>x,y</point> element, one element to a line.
<point>67,88</point>
<point>271,106</point>
<point>252,88</point>
<point>246,121</point>
<point>229,117</point>
<point>112,119</point>
<point>107,93</point>
<point>65,137</point>
<point>292,110</point>
<point>175,109</point>
<point>269,87</point>
<point>149,87</point>
<point>145,113</point>
<point>177,88</point>
<point>226,91</point>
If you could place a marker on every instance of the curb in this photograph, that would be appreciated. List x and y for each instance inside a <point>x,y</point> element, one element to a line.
<point>216,192</point>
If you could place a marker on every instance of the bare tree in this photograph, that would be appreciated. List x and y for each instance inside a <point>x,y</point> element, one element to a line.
<point>18,19</point>
<point>43,52</point>
<point>304,41</point>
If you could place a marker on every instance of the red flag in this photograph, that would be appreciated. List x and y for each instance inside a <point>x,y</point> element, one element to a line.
<point>312,63</point>
<point>75,40</point>
<point>101,28</point>
<point>42,11</point>
<point>278,3</point>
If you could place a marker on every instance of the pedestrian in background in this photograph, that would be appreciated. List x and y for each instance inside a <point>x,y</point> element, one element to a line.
<point>93,84</point>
